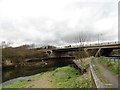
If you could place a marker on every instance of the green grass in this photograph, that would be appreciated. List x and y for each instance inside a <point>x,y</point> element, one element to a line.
<point>19,84</point>
<point>64,74</point>
<point>68,77</point>
<point>0,87</point>
<point>110,65</point>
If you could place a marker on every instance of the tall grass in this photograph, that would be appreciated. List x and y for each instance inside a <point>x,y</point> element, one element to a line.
<point>113,66</point>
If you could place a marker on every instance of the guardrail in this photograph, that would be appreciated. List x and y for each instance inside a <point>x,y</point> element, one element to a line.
<point>96,81</point>
<point>95,44</point>
<point>105,43</point>
<point>112,58</point>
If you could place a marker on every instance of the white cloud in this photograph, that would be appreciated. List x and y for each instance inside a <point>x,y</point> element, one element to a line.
<point>57,22</point>
<point>108,24</point>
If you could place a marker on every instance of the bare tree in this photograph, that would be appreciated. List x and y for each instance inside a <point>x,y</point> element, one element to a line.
<point>82,39</point>
<point>32,46</point>
<point>6,44</point>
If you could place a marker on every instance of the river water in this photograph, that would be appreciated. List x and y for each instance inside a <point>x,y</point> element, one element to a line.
<point>9,74</point>
<point>21,72</point>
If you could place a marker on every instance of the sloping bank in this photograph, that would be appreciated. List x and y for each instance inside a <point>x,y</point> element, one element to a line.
<point>62,77</point>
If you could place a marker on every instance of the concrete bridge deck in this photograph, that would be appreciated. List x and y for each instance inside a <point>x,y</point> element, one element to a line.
<point>103,49</point>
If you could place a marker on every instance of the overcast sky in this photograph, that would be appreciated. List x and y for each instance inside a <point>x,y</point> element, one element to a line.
<point>57,22</point>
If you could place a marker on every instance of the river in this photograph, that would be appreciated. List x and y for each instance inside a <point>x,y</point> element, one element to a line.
<point>8,74</point>
<point>21,72</point>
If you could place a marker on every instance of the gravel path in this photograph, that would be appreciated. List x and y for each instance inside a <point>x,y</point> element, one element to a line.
<point>43,82</point>
<point>109,76</point>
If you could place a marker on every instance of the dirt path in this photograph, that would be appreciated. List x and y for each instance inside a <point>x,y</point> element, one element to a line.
<point>109,76</point>
<point>43,82</point>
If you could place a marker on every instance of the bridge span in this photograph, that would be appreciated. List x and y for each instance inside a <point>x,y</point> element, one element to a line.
<point>102,49</point>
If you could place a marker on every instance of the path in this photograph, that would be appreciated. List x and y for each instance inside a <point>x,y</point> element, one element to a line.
<point>109,76</point>
<point>43,82</point>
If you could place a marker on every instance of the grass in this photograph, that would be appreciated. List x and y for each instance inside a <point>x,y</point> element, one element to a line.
<point>0,87</point>
<point>110,65</point>
<point>19,84</point>
<point>63,77</point>
<point>68,77</point>
<point>85,63</point>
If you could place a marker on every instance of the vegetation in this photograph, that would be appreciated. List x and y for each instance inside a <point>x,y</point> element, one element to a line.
<point>63,77</point>
<point>111,65</point>
<point>19,84</point>
<point>68,77</point>
<point>19,54</point>
<point>115,52</point>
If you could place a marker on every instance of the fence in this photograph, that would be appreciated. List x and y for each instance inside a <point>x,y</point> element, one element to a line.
<point>115,59</point>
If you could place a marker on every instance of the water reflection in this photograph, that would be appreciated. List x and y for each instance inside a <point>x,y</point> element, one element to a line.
<point>34,68</point>
<point>22,72</point>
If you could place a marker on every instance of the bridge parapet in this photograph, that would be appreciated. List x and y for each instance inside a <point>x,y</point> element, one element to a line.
<point>96,44</point>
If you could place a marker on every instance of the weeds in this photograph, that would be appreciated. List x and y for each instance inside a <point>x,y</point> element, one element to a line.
<point>110,65</point>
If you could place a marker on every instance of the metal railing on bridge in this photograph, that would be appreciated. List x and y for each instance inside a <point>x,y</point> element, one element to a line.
<point>95,44</point>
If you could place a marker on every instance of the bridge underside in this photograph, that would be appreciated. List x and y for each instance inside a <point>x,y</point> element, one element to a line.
<point>99,52</point>
<point>89,52</point>
<point>92,50</point>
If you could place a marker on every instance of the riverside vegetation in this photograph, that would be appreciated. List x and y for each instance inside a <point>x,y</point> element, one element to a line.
<point>17,55</point>
<point>62,77</point>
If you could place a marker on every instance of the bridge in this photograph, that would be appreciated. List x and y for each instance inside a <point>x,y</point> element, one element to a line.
<point>101,49</point>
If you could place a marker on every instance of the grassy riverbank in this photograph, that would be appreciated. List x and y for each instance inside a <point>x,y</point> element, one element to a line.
<point>19,84</point>
<point>68,77</point>
<point>62,77</point>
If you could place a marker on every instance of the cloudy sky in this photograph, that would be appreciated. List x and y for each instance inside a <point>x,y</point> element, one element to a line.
<point>57,22</point>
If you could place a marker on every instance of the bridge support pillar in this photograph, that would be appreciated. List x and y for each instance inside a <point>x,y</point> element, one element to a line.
<point>86,51</point>
<point>98,52</point>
